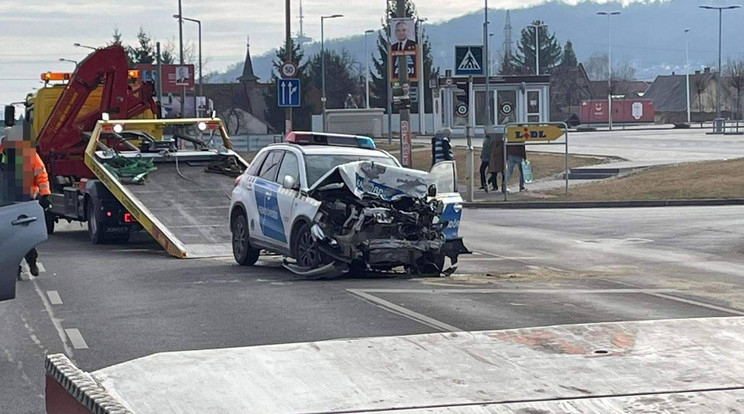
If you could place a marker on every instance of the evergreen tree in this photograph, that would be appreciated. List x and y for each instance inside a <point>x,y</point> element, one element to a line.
<point>301,117</point>
<point>569,57</point>
<point>116,40</point>
<point>144,52</point>
<point>379,72</point>
<point>507,65</point>
<point>550,50</point>
<point>340,78</point>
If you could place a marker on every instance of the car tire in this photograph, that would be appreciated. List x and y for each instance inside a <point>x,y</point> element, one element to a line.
<point>243,252</point>
<point>96,229</point>
<point>305,249</point>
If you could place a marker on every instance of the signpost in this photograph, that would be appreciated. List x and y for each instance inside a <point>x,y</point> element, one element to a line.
<point>288,93</point>
<point>469,60</point>
<point>534,134</point>
<point>288,70</point>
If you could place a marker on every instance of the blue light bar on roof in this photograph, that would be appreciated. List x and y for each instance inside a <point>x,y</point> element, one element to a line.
<point>336,140</point>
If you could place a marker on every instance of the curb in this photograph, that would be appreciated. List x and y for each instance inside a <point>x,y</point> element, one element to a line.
<point>604,204</point>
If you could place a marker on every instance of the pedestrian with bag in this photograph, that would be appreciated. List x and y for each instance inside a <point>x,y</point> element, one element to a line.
<point>516,155</point>
<point>496,158</point>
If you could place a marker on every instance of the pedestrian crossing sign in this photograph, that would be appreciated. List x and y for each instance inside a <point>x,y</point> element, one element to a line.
<point>469,60</point>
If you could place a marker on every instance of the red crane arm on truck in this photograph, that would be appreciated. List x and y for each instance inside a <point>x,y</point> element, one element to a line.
<point>60,140</point>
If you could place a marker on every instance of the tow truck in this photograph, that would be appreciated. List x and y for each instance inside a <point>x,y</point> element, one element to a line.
<point>103,114</point>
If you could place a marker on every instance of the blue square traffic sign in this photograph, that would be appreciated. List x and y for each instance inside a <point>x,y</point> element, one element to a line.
<point>469,60</point>
<point>288,93</point>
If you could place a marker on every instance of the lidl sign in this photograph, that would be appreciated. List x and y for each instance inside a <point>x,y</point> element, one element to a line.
<point>533,133</point>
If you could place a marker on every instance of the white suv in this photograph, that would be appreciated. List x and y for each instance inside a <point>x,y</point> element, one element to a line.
<point>334,203</point>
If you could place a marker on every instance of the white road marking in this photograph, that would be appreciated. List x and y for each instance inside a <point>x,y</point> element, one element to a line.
<point>546,291</point>
<point>41,267</point>
<point>55,321</point>
<point>696,303</point>
<point>54,297</point>
<point>415,316</point>
<point>76,338</point>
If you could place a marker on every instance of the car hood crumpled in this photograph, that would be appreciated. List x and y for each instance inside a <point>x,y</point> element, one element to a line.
<point>370,178</point>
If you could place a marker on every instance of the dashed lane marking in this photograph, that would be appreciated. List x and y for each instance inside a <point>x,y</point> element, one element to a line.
<point>400,310</point>
<point>54,298</point>
<point>76,338</point>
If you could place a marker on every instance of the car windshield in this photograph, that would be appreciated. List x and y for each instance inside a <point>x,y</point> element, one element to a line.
<point>318,165</point>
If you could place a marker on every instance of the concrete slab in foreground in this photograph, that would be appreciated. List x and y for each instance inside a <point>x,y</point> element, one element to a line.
<point>688,365</point>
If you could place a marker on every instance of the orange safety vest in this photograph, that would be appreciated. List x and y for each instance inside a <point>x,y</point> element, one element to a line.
<point>40,186</point>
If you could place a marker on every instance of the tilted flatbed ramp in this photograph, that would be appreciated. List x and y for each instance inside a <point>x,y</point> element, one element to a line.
<point>685,365</point>
<point>184,207</point>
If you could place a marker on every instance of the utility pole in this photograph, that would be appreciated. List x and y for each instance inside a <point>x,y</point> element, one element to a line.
<point>687,74</point>
<point>422,86</point>
<point>405,112</point>
<point>159,72</point>
<point>489,123</point>
<point>609,63</point>
<point>288,59</point>
<point>180,52</point>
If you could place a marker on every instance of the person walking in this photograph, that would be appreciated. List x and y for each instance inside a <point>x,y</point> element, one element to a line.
<point>485,157</point>
<point>515,154</point>
<point>441,148</point>
<point>496,162</point>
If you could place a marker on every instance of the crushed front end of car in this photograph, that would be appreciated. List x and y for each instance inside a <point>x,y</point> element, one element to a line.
<point>378,217</point>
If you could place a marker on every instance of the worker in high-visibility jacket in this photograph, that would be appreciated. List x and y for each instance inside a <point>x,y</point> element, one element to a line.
<point>41,191</point>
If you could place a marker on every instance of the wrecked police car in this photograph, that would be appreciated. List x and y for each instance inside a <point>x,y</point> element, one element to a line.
<point>333,204</point>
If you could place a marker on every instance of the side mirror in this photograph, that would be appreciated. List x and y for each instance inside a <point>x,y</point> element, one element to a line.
<point>432,191</point>
<point>289,182</point>
<point>9,115</point>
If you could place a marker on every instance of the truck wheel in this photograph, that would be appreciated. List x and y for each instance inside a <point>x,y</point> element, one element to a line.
<point>50,220</point>
<point>95,228</point>
<point>243,252</point>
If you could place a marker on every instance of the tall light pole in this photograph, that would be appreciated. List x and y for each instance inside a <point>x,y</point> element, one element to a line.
<point>422,86</point>
<point>201,90</point>
<point>609,64</point>
<point>322,62</point>
<point>487,73</point>
<point>84,46</point>
<point>366,58</point>
<point>537,46</point>
<point>687,73</point>
<point>720,69</point>
<point>68,60</point>
<point>180,53</point>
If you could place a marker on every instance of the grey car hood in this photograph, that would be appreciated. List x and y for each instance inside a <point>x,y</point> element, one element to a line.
<point>370,178</point>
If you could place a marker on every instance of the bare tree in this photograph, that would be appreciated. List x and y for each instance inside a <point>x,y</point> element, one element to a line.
<point>734,75</point>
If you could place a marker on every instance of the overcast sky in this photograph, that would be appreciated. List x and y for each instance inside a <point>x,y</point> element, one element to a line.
<point>36,33</point>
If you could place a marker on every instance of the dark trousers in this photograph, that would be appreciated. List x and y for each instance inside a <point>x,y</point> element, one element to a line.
<point>32,255</point>
<point>483,168</point>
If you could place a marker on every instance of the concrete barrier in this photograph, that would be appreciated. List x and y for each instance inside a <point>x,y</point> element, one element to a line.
<point>355,121</point>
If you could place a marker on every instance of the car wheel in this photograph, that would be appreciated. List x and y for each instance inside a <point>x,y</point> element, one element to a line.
<point>243,252</point>
<point>96,230</point>
<point>306,249</point>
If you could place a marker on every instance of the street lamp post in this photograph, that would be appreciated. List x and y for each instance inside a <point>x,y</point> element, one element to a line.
<point>687,74</point>
<point>720,69</point>
<point>421,88</point>
<point>609,64</point>
<point>537,46</point>
<point>201,90</point>
<point>69,60</point>
<point>87,47</point>
<point>487,75</point>
<point>366,58</point>
<point>322,63</point>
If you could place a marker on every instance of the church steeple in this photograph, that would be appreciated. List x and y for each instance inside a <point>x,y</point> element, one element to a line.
<point>248,75</point>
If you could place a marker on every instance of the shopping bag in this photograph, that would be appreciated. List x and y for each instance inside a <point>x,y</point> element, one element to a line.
<point>527,169</point>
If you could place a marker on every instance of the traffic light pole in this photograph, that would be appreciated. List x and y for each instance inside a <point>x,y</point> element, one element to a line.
<point>470,189</point>
<point>405,112</point>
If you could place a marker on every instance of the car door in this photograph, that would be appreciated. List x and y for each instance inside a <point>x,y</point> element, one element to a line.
<point>288,197</point>
<point>444,176</point>
<point>266,190</point>
<point>22,228</point>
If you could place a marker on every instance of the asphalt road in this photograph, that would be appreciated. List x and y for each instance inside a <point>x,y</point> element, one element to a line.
<point>102,305</point>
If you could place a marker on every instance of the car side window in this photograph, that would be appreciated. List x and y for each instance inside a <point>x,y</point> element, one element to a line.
<point>271,166</point>
<point>290,166</point>
<point>256,164</point>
